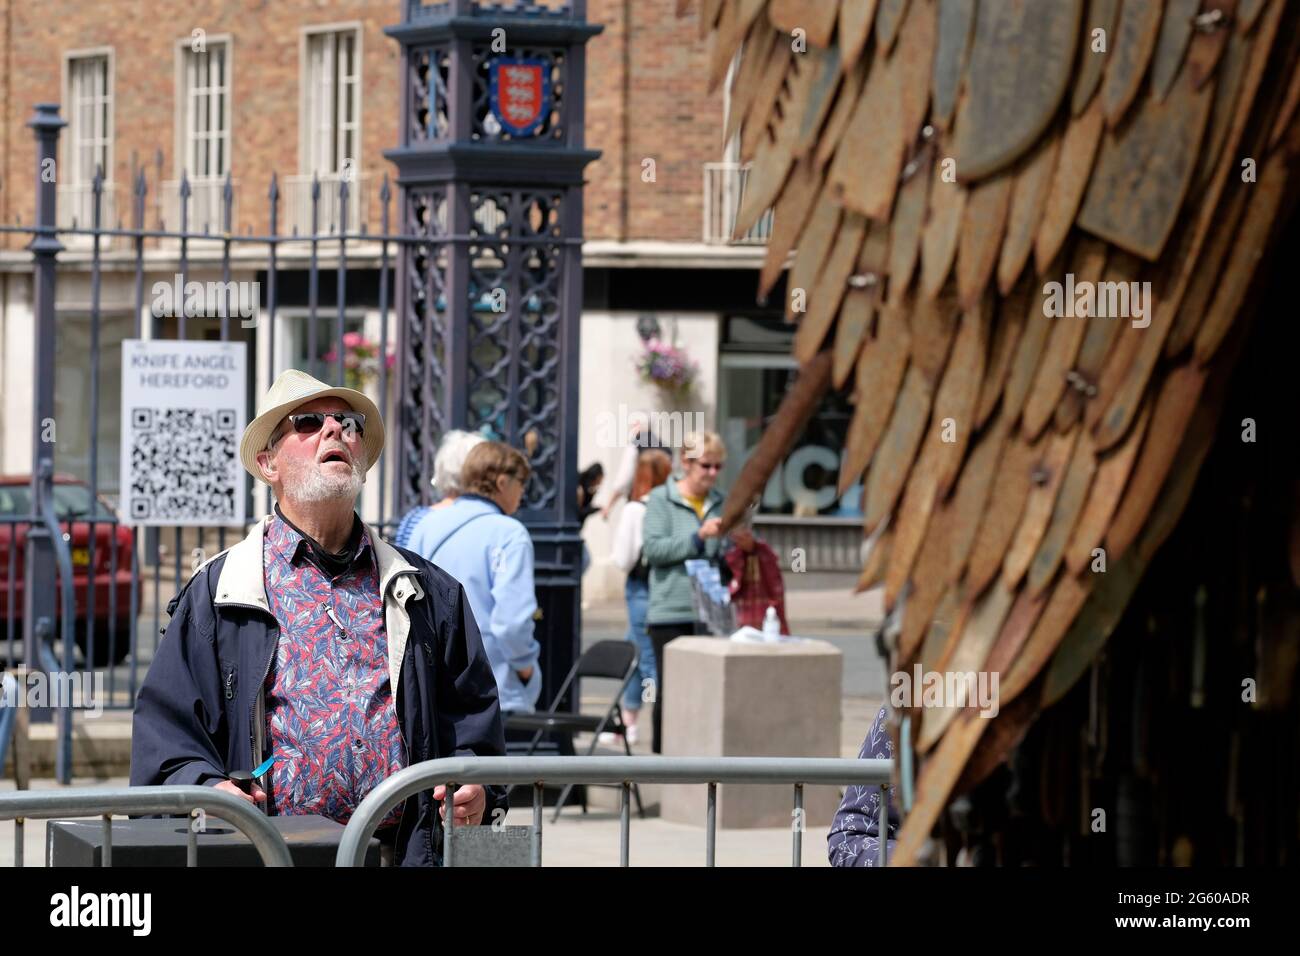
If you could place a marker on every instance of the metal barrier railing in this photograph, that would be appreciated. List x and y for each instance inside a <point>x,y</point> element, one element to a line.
<point>538,771</point>
<point>94,801</point>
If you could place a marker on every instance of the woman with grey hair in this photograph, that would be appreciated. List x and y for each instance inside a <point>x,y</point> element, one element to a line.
<point>447,463</point>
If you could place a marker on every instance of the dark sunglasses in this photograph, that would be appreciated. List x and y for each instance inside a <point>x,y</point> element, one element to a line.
<point>309,423</point>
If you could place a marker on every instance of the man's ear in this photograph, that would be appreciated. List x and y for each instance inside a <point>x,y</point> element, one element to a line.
<point>266,463</point>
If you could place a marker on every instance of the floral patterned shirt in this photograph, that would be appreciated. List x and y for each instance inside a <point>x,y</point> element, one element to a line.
<point>331,716</point>
<point>854,839</point>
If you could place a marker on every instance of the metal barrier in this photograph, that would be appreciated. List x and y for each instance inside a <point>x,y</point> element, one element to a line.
<point>93,801</point>
<point>454,771</point>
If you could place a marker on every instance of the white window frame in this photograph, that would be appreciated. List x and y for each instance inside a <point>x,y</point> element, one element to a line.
<point>183,158</point>
<point>309,117</point>
<point>75,175</point>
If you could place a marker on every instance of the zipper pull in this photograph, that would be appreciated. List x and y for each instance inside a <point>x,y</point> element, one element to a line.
<point>230,690</point>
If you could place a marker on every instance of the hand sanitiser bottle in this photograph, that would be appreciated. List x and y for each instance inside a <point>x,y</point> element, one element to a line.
<point>771,625</point>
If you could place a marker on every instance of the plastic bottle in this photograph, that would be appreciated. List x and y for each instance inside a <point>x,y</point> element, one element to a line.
<point>771,625</point>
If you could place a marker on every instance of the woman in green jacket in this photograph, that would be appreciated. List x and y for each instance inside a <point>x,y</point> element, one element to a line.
<point>682,521</point>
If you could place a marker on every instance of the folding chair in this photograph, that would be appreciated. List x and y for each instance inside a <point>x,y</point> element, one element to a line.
<point>614,660</point>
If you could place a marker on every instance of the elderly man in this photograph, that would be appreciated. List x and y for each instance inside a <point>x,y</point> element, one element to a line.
<point>314,642</point>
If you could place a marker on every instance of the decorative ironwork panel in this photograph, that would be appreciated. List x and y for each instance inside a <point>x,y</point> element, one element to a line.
<point>514,371</point>
<point>423,355</point>
<point>430,116</point>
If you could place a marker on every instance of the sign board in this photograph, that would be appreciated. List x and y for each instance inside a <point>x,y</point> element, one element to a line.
<point>183,413</point>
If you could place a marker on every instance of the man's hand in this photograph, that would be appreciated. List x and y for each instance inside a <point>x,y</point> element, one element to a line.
<point>711,528</point>
<point>470,800</point>
<point>257,796</point>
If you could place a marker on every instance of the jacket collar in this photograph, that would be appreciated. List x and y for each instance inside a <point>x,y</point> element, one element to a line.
<point>711,500</point>
<point>243,579</point>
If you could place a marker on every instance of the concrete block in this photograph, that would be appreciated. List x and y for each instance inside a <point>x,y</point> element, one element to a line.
<point>730,699</point>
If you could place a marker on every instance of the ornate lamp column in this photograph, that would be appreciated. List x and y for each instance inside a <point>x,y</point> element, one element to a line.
<point>490,168</point>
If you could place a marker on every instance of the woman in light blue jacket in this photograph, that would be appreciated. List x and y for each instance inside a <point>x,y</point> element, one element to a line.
<point>491,554</point>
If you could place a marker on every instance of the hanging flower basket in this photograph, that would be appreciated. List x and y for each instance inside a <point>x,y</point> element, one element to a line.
<point>360,360</point>
<point>667,367</point>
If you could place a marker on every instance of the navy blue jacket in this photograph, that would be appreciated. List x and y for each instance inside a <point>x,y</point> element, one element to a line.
<point>201,712</point>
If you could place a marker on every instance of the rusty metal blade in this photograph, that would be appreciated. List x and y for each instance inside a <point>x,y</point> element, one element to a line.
<point>768,174</point>
<point>1063,604</point>
<point>959,392</point>
<point>934,322</point>
<point>1048,476</point>
<point>1247,250</point>
<point>1226,89</point>
<point>865,168</point>
<point>972,495</point>
<point>941,231</point>
<point>1028,199</point>
<point>1249,13</point>
<point>1143,170</point>
<point>754,57</point>
<point>1114,376</point>
<point>1002,516</point>
<point>1008,325</point>
<point>824,300</point>
<point>873,571</point>
<point>879,374</point>
<point>933,786</point>
<point>983,223</point>
<point>1175,34</point>
<point>1092,62</point>
<point>1029,353</point>
<point>972,650</point>
<point>845,103</point>
<point>814,244</point>
<point>940,458</point>
<point>1065,514</point>
<point>897,450</point>
<point>851,330</point>
<point>1121,270</point>
<point>915,53</point>
<point>1132,45</point>
<point>860,303</point>
<point>1200,293</point>
<point>1073,170</point>
<point>905,226</point>
<point>1010,100</point>
<point>1287,112</point>
<point>1019,625</point>
<point>798,200</point>
<point>762,108</point>
<point>1067,335</point>
<point>1173,409</point>
<point>912,520</point>
<point>724,41</point>
<point>820,96</point>
<point>1088,634</point>
<point>956,25</point>
<point>1108,486</point>
<point>889,17</point>
<point>855,27</point>
<point>1207,45</point>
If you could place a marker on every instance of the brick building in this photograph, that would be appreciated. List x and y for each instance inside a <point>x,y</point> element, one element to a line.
<point>216,91</point>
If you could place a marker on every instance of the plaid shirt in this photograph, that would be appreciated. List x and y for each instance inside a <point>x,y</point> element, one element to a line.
<point>330,710</point>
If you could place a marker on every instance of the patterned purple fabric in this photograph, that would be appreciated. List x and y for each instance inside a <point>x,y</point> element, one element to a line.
<point>330,711</point>
<point>854,839</point>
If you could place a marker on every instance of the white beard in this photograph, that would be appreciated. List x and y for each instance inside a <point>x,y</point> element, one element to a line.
<point>312,486</point>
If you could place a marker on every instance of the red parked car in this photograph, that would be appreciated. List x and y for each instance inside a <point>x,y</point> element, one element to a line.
<point>73,507</point>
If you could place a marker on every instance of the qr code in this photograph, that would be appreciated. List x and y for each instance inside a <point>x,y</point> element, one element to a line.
<point>184,465</point>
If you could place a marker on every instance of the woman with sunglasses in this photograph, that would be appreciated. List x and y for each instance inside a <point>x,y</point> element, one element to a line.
<point>682,521</point>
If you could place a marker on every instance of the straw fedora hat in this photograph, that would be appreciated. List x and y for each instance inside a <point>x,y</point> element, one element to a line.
<point>292,390</point>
